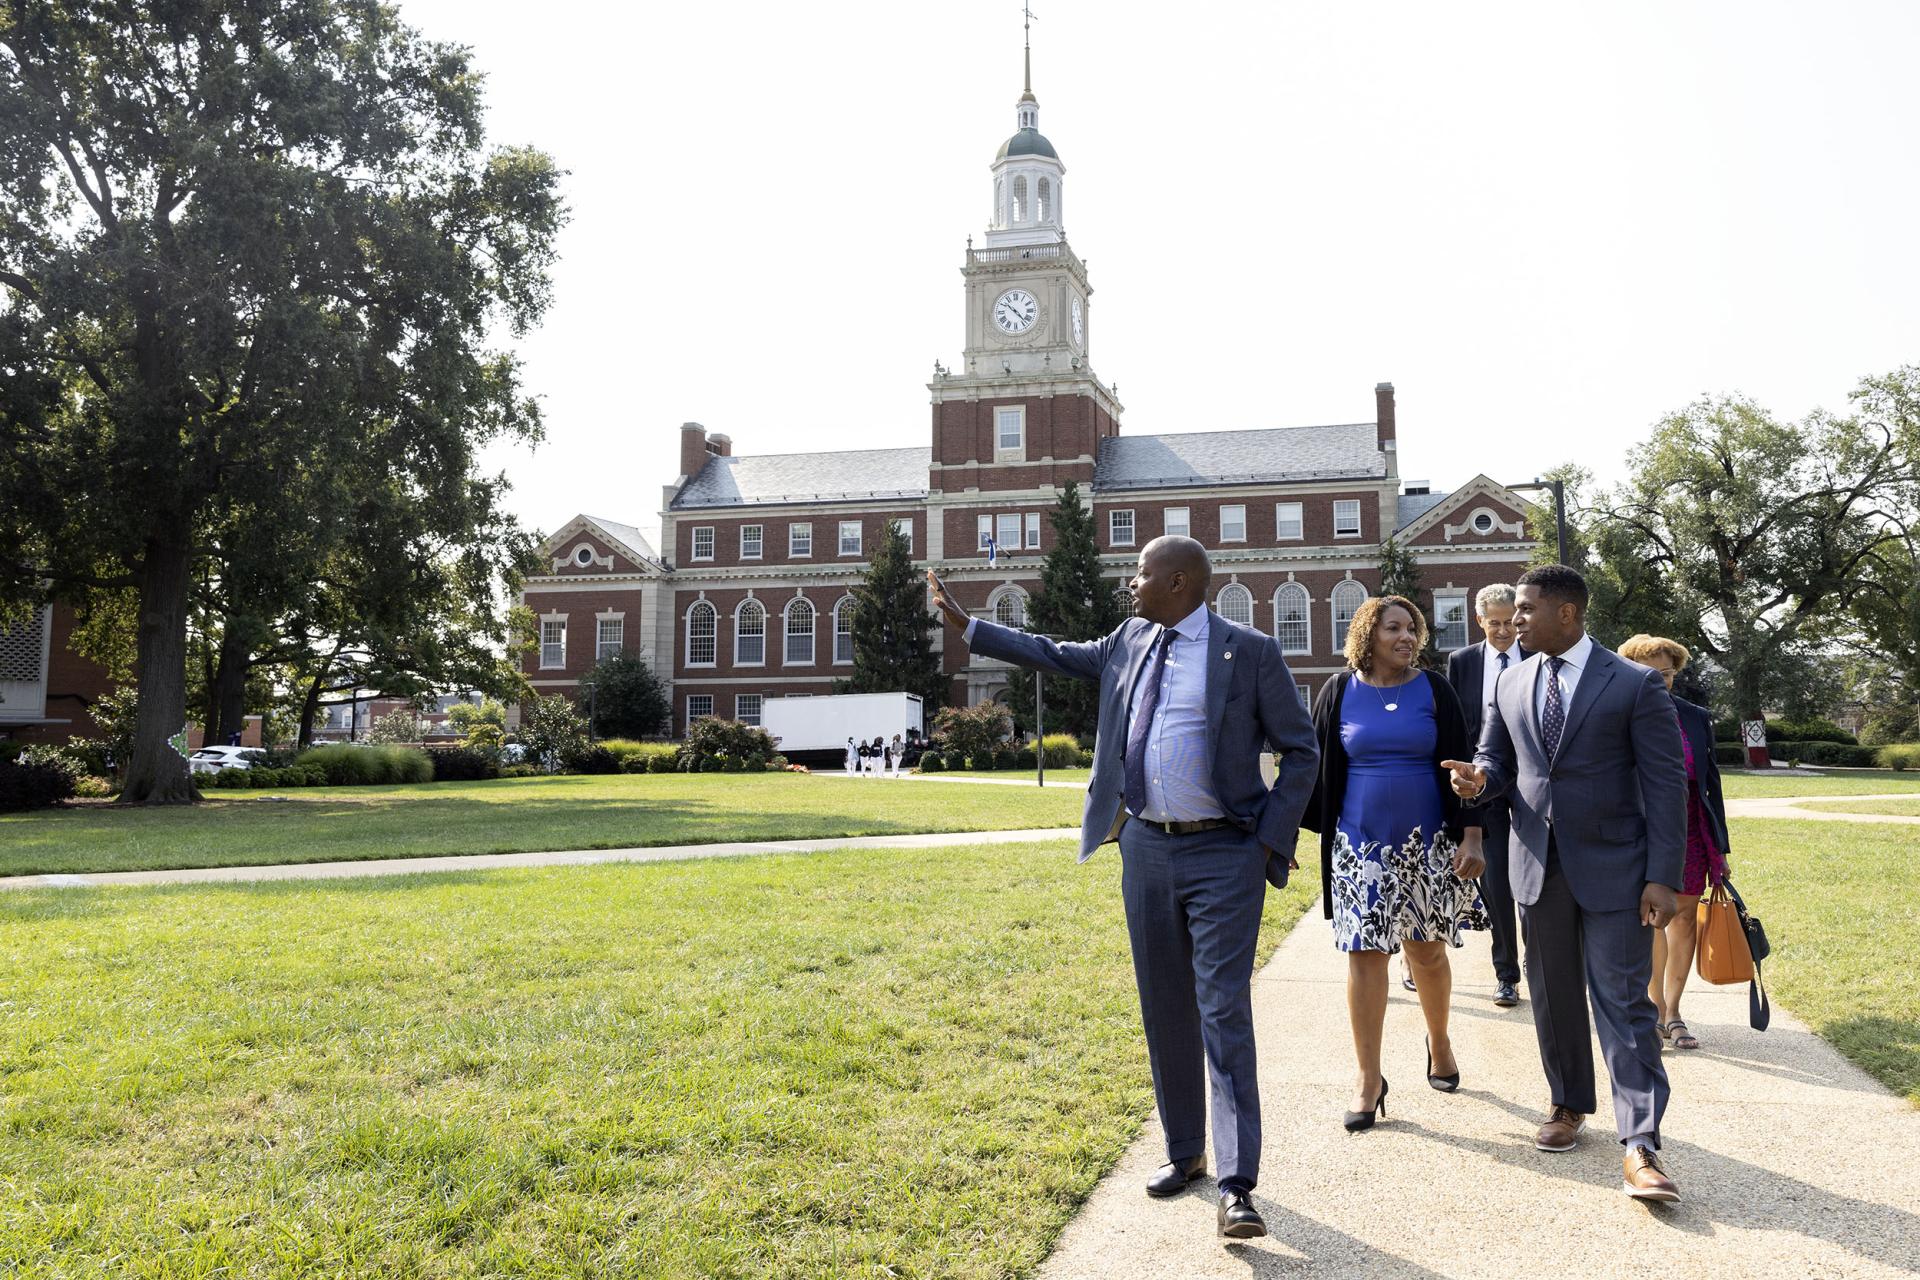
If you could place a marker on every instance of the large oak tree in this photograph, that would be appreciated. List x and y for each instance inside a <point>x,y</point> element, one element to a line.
<point>251,255</point>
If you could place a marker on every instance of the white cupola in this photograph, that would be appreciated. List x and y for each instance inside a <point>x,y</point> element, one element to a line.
<point>1027,173</point>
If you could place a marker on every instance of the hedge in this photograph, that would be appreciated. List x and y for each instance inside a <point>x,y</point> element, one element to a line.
<point>1833,754</point>
<point>37,781</point>
<point>1900,755</point>
<point>1816,730</point>
<point>464,763</point>
<point>348,766</point>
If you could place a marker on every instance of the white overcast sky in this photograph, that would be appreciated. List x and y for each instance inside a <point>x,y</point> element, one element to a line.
<point>1545,223</point>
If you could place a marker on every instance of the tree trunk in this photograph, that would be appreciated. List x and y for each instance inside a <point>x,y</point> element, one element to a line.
<point>227,687</point>
<point>1746,704</point>
<point>311,707</point>
<point>156,773</point>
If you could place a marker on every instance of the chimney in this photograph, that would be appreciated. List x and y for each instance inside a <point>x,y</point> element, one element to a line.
<point>693,449</point>
<point>720,446</point>
<point>1383,415</point>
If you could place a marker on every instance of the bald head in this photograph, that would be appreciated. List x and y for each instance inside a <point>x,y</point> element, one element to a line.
<point>1172,579</point>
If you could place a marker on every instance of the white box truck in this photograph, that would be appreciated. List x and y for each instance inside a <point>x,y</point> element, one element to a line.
<point>820,726</point>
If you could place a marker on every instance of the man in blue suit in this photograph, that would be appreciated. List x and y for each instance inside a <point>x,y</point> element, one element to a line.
<point>1188,701</point>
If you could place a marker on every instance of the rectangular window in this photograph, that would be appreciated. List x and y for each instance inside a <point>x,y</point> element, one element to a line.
<point>746,708</point>
<point>553,645</point>
<point>1289,525</point>
<point>1233,524</point>
<point>849,537</point>
<point>800,540</point>
<point>1033,530</point>
<point>699,707</point>
<point>1120,528</point>
<point>800,635</point>
<point>1010,431</point>
<point>1346,519</point>
<point>1177,522</point>
<point>1449,620</point>
<point>1306,695</point>
<point>750,541</point>
<point>1007,534</point>
<point>905,525</point>
<point>703,542</point>
<point>986,531</point>
<point>610,639</point>
<point>843,633</point>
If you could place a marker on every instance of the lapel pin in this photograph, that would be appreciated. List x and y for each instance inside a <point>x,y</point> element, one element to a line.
<point>1227,654</point>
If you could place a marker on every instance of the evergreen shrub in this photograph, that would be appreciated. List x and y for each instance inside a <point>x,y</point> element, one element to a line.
<point>1024,758</point>
<point>933,762</point>
<point>35,781</point>
<point>464,763</point>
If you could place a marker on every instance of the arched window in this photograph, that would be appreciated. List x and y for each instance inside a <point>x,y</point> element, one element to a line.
<point>703,634</point>
<point>1019,199</point>
<point>1046,200</point>
<point>750,634</point>
<point>799,633</point>
<point>1236,604</point>
<point>1292,618</point>
<point>1010,607</point>
<point>843,630</point>
<point>1348,596</point>
<point>999,202</point>
<point>1123,601</point>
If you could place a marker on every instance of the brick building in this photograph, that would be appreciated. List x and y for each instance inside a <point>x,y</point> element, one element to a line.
<point>47,691</point>
<point>749,596</point>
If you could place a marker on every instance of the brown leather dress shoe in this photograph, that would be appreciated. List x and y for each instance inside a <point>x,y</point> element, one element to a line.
<point>1561,1132</point>
<point>1644,1180</point>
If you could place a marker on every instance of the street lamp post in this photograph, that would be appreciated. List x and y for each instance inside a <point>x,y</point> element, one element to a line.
<point>1558,488</point>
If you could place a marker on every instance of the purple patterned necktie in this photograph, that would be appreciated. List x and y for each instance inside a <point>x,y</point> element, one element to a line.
<point>1135,794</point>
<point>1554,717</point>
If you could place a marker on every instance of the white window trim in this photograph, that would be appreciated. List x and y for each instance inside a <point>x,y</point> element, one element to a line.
<point>1001,454</point>
<point>755,554</point>
<point>1298,591</point>
<point>1441,599</point>
<point>1299,520</point>
<point>600,620</point>
<point>1032,522</point>
<point>905,525</point>
<point>765,617</point>
<point>686,625</point>
<point>1359,518</point>
<point>758,715</point>
<point>1010,545</point>
<point>983,529</point>
<point>833,615</point>
<point>1229,506</point>
<point>793,528</point>
<point>840,537</point>
<point>713,542</point>
<point>546,618</point>
<point>1219,602</point>
<point>1166,525</point>
<point>1002,593</point>
<point>813,639</point>
<point>705,715</point>
<point>1333,609</point>
<point>1113,539</point>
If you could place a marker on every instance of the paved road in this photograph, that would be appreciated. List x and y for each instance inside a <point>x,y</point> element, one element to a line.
<point>1791,1161</point>
<point>496,861</point>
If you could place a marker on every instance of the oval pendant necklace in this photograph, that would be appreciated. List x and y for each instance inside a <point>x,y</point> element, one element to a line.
<point>1390,706</point>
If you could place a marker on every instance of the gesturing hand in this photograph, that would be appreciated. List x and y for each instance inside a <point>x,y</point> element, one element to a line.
<point>1657,905</point>
<point>1468,781</point>
<point>953,613</point>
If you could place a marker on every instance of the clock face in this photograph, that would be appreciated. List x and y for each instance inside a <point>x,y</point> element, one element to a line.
<point>1015,311</point>
<point>1079,325</point>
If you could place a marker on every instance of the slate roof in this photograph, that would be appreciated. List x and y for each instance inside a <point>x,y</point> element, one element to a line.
<point>1027,142</point>
<point>635,540</point>
<point>1415,505</point>
<point>853,474</point>
<point>1279,454</point>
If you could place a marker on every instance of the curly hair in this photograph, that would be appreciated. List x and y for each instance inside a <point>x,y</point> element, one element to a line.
<point>1643,646</point>
<point>1366,621</point>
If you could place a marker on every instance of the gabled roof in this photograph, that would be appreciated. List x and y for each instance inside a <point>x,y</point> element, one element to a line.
<point>1415,505</point>
<point>1276,455</point>
<point>1439,506</point>
<point>851,475</point>
<point>624,538</point>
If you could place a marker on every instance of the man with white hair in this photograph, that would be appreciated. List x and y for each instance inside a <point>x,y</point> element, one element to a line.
<point>1471,671</point>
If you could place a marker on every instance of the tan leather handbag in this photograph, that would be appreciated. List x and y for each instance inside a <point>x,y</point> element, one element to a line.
<point>1723,956</point>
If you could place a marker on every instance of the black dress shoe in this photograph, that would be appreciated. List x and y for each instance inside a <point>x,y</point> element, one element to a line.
<point>1171,1179</point>
<point>1239,1220</point>
<point>1506,997</point>
<point>1358,1120</point>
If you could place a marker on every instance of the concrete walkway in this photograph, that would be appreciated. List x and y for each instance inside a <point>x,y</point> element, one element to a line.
<point>1791,807</point>
<point>1790,1161</point>
<point>499,861</point>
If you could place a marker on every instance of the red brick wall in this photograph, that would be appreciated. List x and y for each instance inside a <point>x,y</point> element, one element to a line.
<point>1061,427</point>
<point>773,537</point>
<point>1437,535</point>
<point>622,563</point>
<point>1316,515</point>
<point>582,627</point>
<point>726,600</point>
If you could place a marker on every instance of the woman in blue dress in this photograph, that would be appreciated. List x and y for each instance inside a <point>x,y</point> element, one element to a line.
<point>1398,852</point>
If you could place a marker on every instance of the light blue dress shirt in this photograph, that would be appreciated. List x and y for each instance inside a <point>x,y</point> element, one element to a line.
<point>1179,781</point>
<point>1179,777</point>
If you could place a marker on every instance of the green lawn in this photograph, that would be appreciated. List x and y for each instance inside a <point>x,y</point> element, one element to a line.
<point>1841,902</point>
<point>1893,808</point>
<point>509,816</point>
<point>1755,786</point>
<point>1065,777</point>
<point>862,1063</point>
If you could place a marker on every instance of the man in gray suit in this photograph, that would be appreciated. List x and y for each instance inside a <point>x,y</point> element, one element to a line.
<point>1586,747</point>
<point>1188,701</point>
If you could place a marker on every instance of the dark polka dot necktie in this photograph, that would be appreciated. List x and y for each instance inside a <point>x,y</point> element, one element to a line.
<point>1554,717</point>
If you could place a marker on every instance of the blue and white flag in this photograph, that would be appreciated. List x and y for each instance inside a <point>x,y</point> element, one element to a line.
<point>993,550</point>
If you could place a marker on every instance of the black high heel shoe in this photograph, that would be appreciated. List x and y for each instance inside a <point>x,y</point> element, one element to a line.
<point>1445,1084</point>
<point>1358,1120</point>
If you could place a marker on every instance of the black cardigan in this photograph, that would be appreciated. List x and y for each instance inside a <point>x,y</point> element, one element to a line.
<point>1330,786</point>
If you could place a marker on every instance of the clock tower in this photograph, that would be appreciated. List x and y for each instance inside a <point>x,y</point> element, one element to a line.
<point>1024,411</point>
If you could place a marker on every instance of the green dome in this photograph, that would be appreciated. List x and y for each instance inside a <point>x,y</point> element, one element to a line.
<point>1027,142</point>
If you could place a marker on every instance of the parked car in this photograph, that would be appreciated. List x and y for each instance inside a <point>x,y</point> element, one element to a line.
<point>214,759</point>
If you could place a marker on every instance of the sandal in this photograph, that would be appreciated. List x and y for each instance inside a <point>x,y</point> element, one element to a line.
<point>1661,1029</point>
<point>1682,1038</point>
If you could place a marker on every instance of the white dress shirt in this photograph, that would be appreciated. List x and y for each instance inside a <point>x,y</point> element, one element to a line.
<point>1491,668</point>
<point>1572,663</point>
